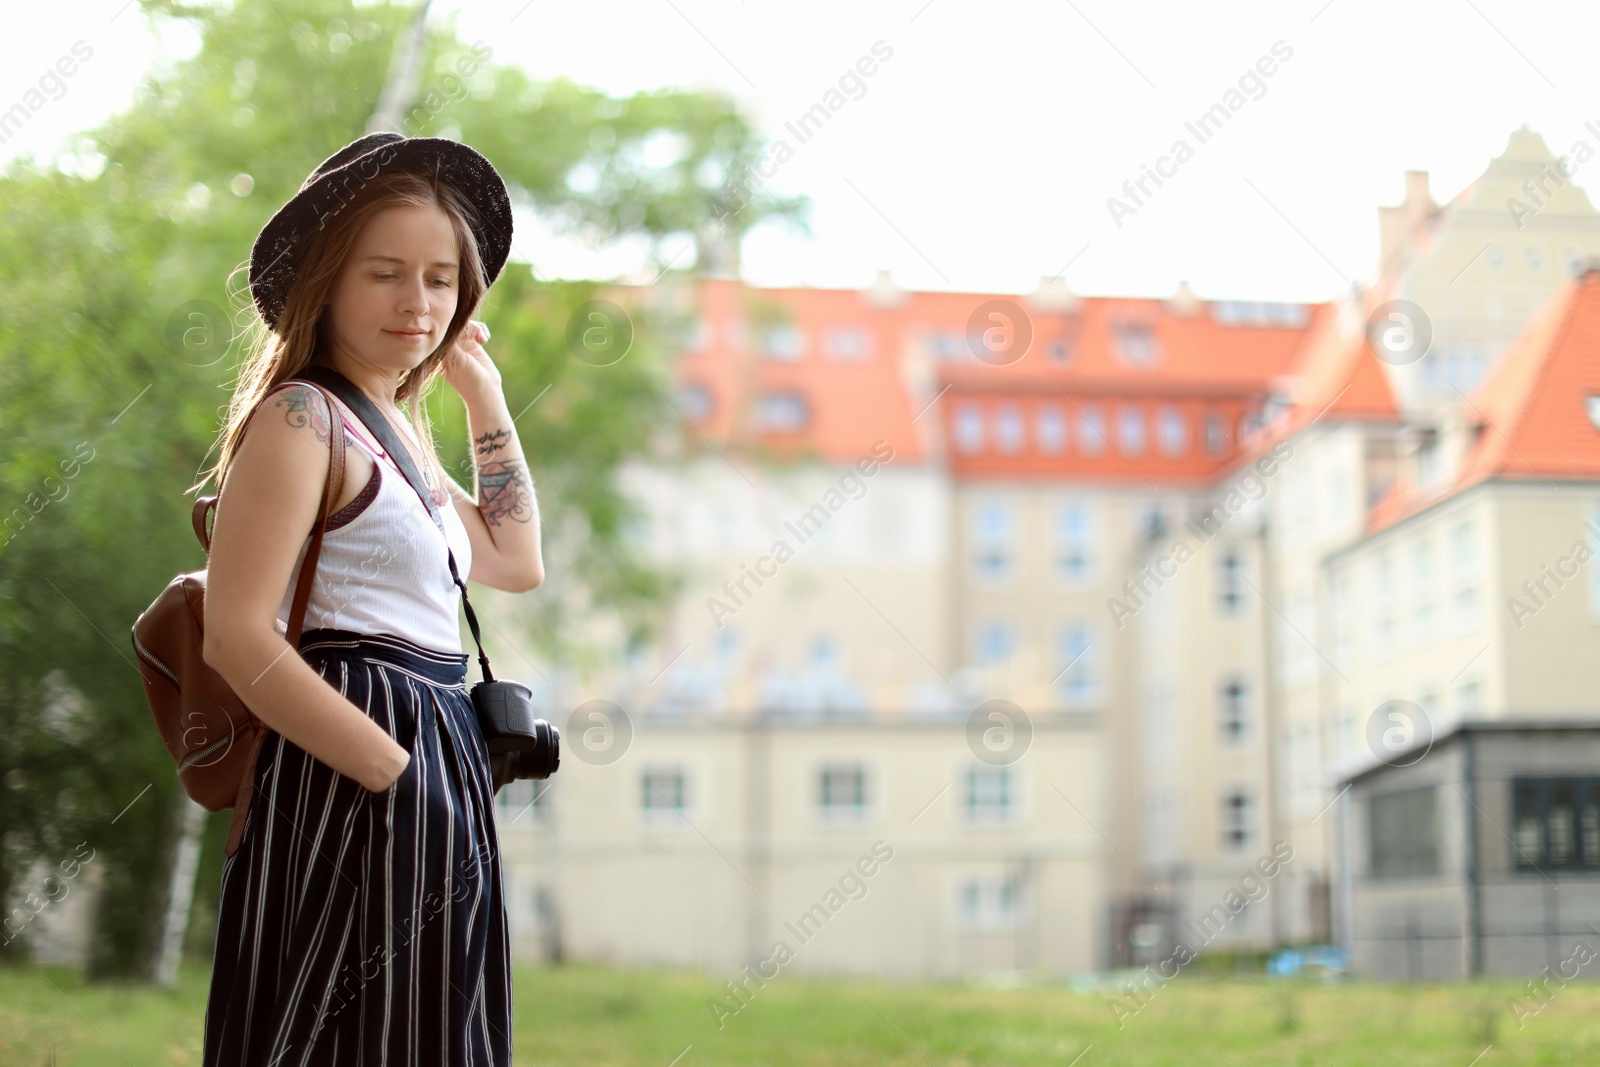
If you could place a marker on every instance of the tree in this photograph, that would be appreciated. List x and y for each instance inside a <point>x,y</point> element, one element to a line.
<point>120,330</point>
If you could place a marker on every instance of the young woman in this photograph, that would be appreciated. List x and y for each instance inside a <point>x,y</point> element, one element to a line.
<point>361,919</point>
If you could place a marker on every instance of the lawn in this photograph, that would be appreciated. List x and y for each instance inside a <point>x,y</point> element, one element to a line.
<point>580,1014</point>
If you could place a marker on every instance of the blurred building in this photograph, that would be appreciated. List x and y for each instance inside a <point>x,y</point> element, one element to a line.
<point>1480,859</point>
<point>1423,470</point>
<point>1194,549</point>
<point>805,704</point>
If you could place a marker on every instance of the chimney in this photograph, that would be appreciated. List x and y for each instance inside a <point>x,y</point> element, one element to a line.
<point>1053,296</point>
<point>884,293</point>
<point>1184,302</point>
<point>1417,188</point>
<point>1395,224</point>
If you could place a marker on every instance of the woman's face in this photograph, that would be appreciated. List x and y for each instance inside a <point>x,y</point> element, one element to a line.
<point>396,294</point>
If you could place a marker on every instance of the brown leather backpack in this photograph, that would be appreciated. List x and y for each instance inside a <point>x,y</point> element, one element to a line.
<point>209,732</point>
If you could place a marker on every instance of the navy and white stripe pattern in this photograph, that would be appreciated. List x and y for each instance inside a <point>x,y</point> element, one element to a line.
<point>357,927</point>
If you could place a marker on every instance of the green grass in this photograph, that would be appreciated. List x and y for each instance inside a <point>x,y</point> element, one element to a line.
<point>589,1015</point>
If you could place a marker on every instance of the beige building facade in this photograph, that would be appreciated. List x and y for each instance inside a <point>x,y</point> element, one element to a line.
<point>1016,568</point>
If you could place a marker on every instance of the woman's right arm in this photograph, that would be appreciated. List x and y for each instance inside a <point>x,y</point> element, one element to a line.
<point>266,509</point>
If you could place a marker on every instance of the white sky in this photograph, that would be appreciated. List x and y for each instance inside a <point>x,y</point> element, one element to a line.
<point>981,156</point>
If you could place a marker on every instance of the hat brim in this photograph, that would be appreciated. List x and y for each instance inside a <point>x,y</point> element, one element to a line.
<point>275,256</point>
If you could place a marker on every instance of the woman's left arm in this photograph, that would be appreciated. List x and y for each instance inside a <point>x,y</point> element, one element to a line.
<point>503,521</point>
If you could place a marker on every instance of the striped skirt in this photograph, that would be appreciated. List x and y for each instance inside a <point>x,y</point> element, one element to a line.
<point>368,928</point>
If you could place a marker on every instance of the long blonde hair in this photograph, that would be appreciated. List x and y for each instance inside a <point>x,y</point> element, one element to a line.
<point>280,353</point>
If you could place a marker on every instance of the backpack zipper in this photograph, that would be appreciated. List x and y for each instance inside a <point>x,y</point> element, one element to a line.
<point>146,655</point>
<point>188,762</point>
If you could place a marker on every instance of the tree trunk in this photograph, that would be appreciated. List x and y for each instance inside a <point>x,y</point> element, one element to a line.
<point>185,827</point>
<point>405,74</point>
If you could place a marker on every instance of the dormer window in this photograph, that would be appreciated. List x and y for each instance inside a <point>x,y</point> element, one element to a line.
<point>1060,349</point>
<point>1427,456</point>
<point>1136,343</point>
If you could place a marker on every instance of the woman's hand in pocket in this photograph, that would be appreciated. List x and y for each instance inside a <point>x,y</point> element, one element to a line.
<point>389,763</point>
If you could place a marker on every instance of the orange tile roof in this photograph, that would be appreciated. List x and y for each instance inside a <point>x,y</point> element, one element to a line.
<point>917,349</point>
<point>1532,406</point>
<point>1338,375</point>
<point>1529,416</point>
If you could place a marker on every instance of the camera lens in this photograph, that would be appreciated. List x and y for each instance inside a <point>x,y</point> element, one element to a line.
<point>543,759</point>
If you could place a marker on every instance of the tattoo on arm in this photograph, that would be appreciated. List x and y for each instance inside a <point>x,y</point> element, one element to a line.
<point>505,490</point>
<point>490,443</point>
<point>301,405</point>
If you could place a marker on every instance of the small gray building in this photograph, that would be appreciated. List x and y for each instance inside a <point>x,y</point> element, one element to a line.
<point>1478,855</point>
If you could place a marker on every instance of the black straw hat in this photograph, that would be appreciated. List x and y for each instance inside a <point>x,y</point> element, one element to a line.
<point>335,183</point>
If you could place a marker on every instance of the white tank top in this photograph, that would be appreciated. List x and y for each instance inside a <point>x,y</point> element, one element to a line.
<point>383,568</point>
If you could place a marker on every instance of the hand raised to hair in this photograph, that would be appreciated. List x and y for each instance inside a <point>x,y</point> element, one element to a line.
<point>467,366</point>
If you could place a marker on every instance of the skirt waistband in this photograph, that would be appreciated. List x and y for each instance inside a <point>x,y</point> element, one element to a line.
<point>439,667</point>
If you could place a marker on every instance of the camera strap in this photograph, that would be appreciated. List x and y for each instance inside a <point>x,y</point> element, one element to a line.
<point>380,426</point>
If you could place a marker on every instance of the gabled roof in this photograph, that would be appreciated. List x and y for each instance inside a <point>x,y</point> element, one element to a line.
<point>1338,376</point>
<point>1529,418</point>
<point>1532,409</point>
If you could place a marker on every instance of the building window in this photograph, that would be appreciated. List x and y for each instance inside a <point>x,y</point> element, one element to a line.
<point>992,536</point>
<point>1422,588</point>
<point>1052,430</point>
<point>847,342</point>
<point>1216,434</point>
<point>1236,820</point>
<point>1174,432</point>
<point>824,654</point>
<point>1234,714</point>
<point>842,790</point>
<point>969,428</point>
<point>989,902</point>
<point>1464,556</point>
<point>1594,547</point>
<point>1342,609</point>
<point>1230,582</point>
<point>1557,823</point>
<point>663,791</point>
<point>1091,430</point>
<point>520,804</point>
<point>1060,349</point>
<point>1076,676</point>
<point>783,342</point>
<point>1382,603</point>
<point>1535,259</point>
<point>1074,553</point>
<point>780,412</point>
<point>1403,833</point>
<point>988,795</point>
<point>1152,520</point>
<point>995,643</point>
<point>695,400</point>
<point>1136,343</point>
<point>1130,428</point>
<point>1008,428</point>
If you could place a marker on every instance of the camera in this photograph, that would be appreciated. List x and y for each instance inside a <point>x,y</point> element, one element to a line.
<point>520,746</point>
